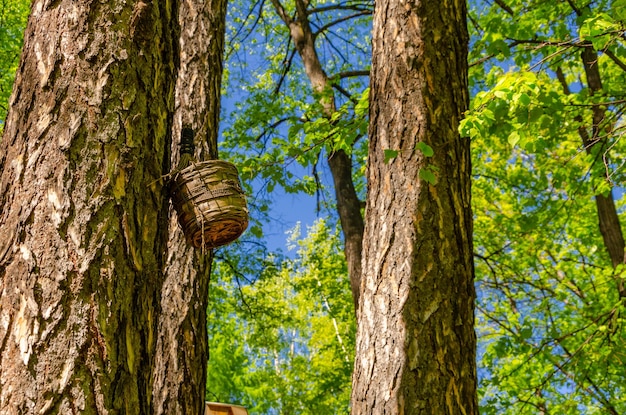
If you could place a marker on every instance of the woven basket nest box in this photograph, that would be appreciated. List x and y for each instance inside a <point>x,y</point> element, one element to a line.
<point>210,203</point>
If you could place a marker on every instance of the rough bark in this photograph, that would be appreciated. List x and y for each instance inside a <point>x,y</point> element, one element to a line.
<point>339,162</point>
<point>415,337</point>
<point>83,216</point>
<point>182,348</point>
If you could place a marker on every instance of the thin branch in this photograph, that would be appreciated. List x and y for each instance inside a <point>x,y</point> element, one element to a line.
<point>318,183</point>
<point>595,393</point>
<point>271,127</point>
<point>599,395</point>
<point>260,4</point>
<point>344,92</point>
<point>576,9</point>
<point>504,7</point>
<point>482,60</point>
<point>237,274</point>
<point>578,43</point>
<point>475,23</point>
<point>365,7</point>
<point>286,68</point>
<point>561,77</point>
<point>350,74</point>
<point>332,46</point>
<point>615,59</point>
<point>282,13</point>
<point>338,21</point>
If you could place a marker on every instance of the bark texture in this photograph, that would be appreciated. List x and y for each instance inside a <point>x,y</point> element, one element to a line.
<point>415,339</point>
<point>182,349</point>
<point>83,216</point>
<point>339,162</point>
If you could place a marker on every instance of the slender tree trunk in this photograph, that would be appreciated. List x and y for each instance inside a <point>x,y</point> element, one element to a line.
<point>83,216</point>
<point>415,339</point>
<point>182,348</point>
<point>594,143</point>
<point>608,220</point>
<point>339,162</point>
<point>349,209</point>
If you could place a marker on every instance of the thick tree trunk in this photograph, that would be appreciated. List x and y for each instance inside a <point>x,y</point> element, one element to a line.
<point>182,349</point>
<point>415,339</point>
<point>83,219</point>
<point>339,162</point>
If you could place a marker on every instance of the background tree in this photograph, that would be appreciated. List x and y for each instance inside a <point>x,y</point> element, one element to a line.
<point>415,337</point>
<point>339,160</point>
<point>547,131</point>
<point>286,342</point>
<point>316,121</point>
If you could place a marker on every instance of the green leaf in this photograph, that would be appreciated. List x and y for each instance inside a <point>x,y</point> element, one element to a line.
<point>619,9</point>
<point>526,333</point>
<point>501,94</point>
<point>499,46</point>
<point>427,174</point>
<point>514,138</point>
<point>362,107</point>
<point>597,29</point>
<point>524,99</point>
<point>390,154</point>
<point>425,149</point>
<point>465,127</point>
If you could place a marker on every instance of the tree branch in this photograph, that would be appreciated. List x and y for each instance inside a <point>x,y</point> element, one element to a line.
<point>576,9</point>
<point>504,7</point>
<point>350,74</point>
<point>341,20</point>
<point>260,4</point>
<point>286,68</point>
<point>344,92</point>
<point>270,128</point>
<point>365,7</point>
<point>282,13</point>
<point>615,59</point>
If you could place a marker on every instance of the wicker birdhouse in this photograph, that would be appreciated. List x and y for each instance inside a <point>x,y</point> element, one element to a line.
<point>210,203</point>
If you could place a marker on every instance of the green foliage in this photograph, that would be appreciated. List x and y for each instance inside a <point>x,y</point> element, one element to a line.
<point>285,342</point>
<point>13,16</point>
<point>550,320</point>
<point>278,132</point>
<point>429,174</point>
<point>425,149</point>
<point>390,154</point>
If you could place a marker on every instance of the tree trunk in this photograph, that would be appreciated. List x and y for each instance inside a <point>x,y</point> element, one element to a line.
<point>608,220</point>
<point>415,338</point>
<point>595,144</point>
<point>339,162</point>
<point>182,348</point>
<point>349,209</point>
<point>83,214</point>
